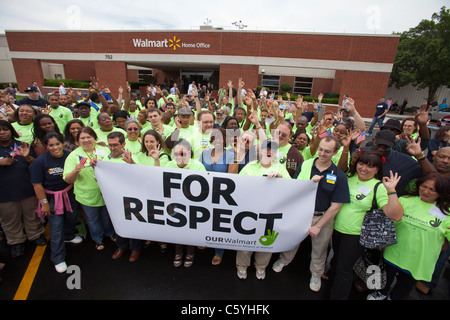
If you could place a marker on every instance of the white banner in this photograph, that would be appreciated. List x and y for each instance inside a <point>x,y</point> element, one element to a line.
<point>209,209</point>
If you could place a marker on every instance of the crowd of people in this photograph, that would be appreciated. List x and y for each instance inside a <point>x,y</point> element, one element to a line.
<point>49,148</point>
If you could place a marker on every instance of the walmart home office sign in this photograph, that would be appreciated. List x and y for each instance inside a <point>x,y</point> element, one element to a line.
<point>211,209</point>
<point>173,43</point>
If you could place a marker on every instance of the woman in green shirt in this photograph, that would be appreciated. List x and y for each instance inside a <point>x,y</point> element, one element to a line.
<point>182,159</point>
<point>79,170</point>
<point>152,150</point>
<point>365,173</point>
<point>267,165</point>
<point>25,115</point>
<point>420,235</point>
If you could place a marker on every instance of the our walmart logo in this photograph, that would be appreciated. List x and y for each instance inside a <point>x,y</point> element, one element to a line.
<point>174,43</point>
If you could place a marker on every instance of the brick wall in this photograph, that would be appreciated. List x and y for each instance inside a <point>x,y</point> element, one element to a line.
<point>365,88</point>
<point>233,72</point>
<point>111,73</point>
<point>27,71</point>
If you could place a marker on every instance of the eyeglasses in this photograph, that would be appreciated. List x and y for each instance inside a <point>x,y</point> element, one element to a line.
<point>180,154</point>
<point>133,129</point>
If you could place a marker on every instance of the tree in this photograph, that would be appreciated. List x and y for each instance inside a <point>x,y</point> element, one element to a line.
<point>423,55</point>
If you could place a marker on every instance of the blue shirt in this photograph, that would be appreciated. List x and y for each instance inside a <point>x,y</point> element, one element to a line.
<point>329,192</point>
<point>48,170</point>
<point>220,165</point>
<point>381,108</point>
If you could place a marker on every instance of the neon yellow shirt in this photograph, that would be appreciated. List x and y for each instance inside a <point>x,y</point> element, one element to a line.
<point>255,168</point>
<point>350,218</point>
<point>25,132</point>
<point>420,235</point>
<point>102,136</point>
<point>142,158</point>
<point>86,189</point>
<point>62,115</point>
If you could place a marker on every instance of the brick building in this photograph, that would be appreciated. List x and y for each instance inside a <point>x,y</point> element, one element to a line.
<point>354,64</point>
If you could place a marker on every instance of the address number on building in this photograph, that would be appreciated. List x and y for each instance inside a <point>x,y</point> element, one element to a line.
<point>108,56</point>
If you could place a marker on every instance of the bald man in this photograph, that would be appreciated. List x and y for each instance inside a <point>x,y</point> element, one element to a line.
<point>441,161</point>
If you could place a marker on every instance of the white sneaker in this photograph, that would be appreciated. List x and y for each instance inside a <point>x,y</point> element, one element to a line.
<point>376,295</point>
<point>75,240</point>
<point>61,267</point>
<point>242,274</point>
<point>315,283</point>
<point>260,274</point>
<point>278,266</point>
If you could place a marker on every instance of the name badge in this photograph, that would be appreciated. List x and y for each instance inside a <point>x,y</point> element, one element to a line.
<point>331,178</point>
<point>100,153</point>
<point>364,190</point>
<point>435,211</point>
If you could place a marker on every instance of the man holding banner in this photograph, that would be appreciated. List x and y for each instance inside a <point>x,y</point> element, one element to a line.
<point>116,144</point>
<point>332,192</point>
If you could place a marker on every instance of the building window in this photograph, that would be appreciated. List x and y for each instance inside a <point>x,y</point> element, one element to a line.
<point>271,83</point>
<point>145,75</point>
<point>303,86</point>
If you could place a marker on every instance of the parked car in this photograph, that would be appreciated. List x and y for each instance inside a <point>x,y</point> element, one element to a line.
<point>438,114</point>
<point>445,121</point>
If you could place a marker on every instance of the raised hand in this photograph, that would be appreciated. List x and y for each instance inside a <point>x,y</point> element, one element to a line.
<point>391,182</point>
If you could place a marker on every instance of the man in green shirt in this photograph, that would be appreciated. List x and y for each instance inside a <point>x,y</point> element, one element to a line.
<point>116,144</point>
<point>86,116</point>
<point>61,114</point>
<point>106,126</point>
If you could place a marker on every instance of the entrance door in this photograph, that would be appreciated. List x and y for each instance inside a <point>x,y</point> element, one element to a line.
<point>199,76</point>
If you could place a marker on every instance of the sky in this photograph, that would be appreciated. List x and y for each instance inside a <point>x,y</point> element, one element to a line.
<point>363,16</point>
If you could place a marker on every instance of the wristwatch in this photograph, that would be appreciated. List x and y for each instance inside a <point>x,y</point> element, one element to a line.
<point>43,201</point>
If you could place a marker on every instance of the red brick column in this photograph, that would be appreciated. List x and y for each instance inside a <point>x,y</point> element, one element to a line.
<point>27,71</point>
<point>365,88</point>
<point>112,74</point>
<point>233,72</point>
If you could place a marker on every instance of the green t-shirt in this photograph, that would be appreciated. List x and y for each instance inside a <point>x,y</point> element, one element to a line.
<point>420,235</point>
<point>90,121</point>
<point>167,130</point>
<point>306,153</point>
<point>336,157</point>
<point>25,132</point>
<point>192,165</point>
<point>351,215</point>
<point>86,189</point>
<point>111,159</point>
<point>102,136</point>
<point>254,168</point>
<point>62,115</point>
<point>200,141</point>
<point>134,146</point>
<point>142,158</point>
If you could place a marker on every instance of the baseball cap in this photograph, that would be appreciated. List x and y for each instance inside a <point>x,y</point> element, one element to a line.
<point>385,137</point>
<point>184,111</point>
<point>82,103</point>
<point>392,124</point>
<point>31,88</point>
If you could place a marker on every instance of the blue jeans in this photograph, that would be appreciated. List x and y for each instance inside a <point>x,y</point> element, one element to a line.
<point>98,222</point>
<point>375,120</point>
<point>62,228</point>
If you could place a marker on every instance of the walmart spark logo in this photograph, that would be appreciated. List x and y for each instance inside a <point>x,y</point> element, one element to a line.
<point>174,43</point>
